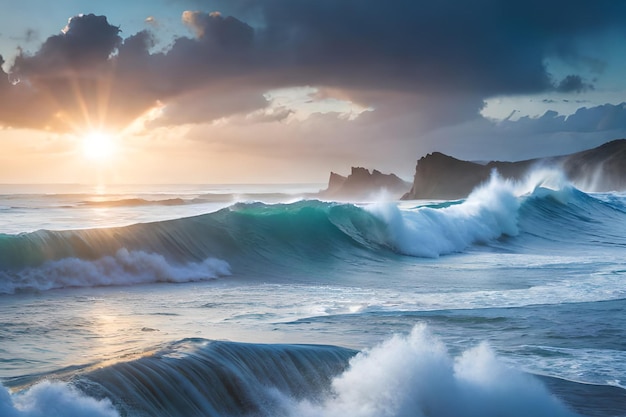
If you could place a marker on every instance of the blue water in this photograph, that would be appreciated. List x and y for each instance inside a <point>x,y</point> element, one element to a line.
<point>263,301</point>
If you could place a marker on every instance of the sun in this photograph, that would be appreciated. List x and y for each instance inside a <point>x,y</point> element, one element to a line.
<point>98,146</point>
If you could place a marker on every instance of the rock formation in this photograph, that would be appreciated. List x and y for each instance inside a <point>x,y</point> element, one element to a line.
<point>439,176</point>
<point>362,185</point>
<point>443,177</point>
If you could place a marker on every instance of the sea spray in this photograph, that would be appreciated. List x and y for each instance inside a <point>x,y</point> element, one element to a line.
<point>407,375</point>
<point>544,177</point>
<point>488,213</point>
<point>546,182</point>
<point>53,399</point>
<point>414,375</point>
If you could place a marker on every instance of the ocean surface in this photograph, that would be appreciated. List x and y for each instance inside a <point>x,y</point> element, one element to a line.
<point>263,301</point>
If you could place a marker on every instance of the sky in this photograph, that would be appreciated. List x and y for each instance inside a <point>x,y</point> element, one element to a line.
<point>283,91</point>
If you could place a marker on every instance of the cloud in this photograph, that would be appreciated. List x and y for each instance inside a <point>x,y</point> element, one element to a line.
<point>436,60</point>
<point>528,137</point>
<point>64,78</point>
<point>607,117</point>
<point>485,46</point>
<point>30,35</point>
<point>210,103</point>
<point>86,41</point>
<point>227,32</point>
<point>573,83</point>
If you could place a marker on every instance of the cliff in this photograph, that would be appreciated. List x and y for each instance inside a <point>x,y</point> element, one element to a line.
<point>439,176</point>
<point>362,184</point>
<point>443,177</point>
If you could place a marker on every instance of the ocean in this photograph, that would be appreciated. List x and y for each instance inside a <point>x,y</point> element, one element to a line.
<point>261,300</point>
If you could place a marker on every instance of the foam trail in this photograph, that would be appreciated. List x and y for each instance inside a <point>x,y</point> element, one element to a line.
<point>53,399</point>
<point>414,376</point>
<point>123,268</point>
<point>489,212</point>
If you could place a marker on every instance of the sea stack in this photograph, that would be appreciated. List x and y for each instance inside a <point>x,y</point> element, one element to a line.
<point>362,184</point>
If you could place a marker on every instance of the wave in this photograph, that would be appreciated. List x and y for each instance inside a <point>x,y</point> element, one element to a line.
<point>178,201</point>
<point>570,217</point>
<point>122,268</point>
<point>407,375</point>
<point>143,199</point>
<point>52,399</point>
<point>135,202</point>
<point>258,238</point>
<point>489,212</point>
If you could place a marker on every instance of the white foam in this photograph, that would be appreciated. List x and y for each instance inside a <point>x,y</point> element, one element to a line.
<point>53,399</point>
<point>489,212</point>
<point>414,375</point>
<point>543,182</point>
<point>544,177</point>
<point>124,268</point>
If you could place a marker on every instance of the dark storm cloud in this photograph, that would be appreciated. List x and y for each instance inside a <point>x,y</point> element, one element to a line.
<point>389,56</point>
<point>484,46</point>
<point>214,28</point>
<point>89,69</point>
<point>86,41</point>
<point>20,104</point>
<point>573,83</point>
<point>63,79</point>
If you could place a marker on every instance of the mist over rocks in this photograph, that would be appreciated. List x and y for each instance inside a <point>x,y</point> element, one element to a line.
<point>443,177</point>
<point>362,184</point>
<point>598,169</point>
<point>439,176</point>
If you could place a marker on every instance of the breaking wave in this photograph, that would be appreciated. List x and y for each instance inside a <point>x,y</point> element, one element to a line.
<point>121,268</point>
<point>248,238</point>
<point>407,375</point>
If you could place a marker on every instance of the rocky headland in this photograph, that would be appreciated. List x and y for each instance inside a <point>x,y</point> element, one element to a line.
<point>439,176</point>
<point>442,177</point>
